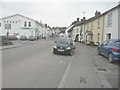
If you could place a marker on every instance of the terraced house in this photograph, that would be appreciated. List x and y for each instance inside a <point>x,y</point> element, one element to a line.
<point>98,28</point>
<point>111,23</point>
<point>94,28</point>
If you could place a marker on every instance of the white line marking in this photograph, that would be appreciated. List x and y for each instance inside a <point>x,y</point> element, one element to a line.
<point>64,76</point>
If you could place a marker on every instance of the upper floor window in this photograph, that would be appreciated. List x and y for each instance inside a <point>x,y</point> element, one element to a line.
<point>10,21</point>
<point>4,21</point>
<point>91,25</point>
<point>13,21</point>
<point>77,30</point>
<point>29,24</point>
<point>0,24</point>
<point>109,20</point>
<point>25,24</point>
<point>87,26</point>
<point>98,22</point>
<point>81,27</point>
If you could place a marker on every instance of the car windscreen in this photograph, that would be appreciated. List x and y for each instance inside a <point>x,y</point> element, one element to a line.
<point>117,44</point>
<point>63,40</point>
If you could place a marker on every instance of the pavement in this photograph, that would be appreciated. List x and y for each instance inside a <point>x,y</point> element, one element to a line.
<point>82,73</point>
<point>15,45</point>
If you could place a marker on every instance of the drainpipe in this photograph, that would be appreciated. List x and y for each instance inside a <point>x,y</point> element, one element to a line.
<point>103,28</point>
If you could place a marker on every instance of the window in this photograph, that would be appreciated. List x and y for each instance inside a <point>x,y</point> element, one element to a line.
<point>19,20</point>
<point>98,22</point>
<point>91,25</point>
<point>16,21</point>
<point>13,21</point>
<point>105,42</point>
<point>10,21</point>
<point>109,43</point>
<point>7,21</point>
<point>109,36</point>
<point>77,30</point>
<point>29,24</point>
<point>0,24</point>
<point>87,26</point>
<point>109,21</point>
<point>25,24</point>
<point>98,37</point>
<point>4,21</point>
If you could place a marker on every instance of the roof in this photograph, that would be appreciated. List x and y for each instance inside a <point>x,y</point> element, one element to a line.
<point>93,18</point>
<point>18,15</point>
<point>69,29</point>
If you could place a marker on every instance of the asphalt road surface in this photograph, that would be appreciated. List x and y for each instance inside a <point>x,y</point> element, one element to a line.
<point>33,65</point>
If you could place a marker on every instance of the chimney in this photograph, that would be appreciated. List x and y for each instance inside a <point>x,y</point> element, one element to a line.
<point>77,19</point>
<point>46,25</point>
<point>84,18</point>
<point>97,13</point>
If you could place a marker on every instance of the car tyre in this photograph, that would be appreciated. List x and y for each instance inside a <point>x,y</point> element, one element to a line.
<point>71,52</point>
<point>99,52</point>
<point>110,58</point>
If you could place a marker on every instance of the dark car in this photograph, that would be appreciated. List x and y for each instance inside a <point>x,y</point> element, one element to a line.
<point>23,37</point>
<point>31,38</point>
<point>110,49</point>
<point>64,45</point>
<point>12,37</point>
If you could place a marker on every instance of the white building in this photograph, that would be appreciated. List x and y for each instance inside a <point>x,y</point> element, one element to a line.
<point>111,23</point>
<point>19,25</point>
<point>77,30</point>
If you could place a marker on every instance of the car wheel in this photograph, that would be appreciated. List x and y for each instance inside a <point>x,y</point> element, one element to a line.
<point>99,52</point>
<point>71,52</point>
<point>110,58</point>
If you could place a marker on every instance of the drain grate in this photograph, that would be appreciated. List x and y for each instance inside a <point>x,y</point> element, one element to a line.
<point>102,69</point>
<point>83,80</point>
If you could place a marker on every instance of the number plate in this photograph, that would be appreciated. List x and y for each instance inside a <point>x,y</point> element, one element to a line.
<point>60,50</point>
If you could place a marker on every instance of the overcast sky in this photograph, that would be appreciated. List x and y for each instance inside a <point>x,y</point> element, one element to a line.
<point>55,12</point>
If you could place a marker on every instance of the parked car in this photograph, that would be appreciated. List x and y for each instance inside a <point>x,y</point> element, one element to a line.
<point>110,49</point>
<point>23,37</point>
<point>12,37</point>
<point>31,38</point>
<point>64,45</point>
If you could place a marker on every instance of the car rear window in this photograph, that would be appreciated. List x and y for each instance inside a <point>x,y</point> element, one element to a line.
<point>117,43</point>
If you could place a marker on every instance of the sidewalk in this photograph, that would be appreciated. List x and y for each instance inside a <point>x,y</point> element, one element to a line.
<point>9,46</point>
<point>81,72</point>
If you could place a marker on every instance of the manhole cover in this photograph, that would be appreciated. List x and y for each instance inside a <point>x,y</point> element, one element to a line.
<point>83,80</point>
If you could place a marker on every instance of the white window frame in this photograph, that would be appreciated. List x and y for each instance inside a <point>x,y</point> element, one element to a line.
<point>109,20</point>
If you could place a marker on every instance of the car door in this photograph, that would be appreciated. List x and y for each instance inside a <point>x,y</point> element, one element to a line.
<point>107,48</point>
<point>102,47</point>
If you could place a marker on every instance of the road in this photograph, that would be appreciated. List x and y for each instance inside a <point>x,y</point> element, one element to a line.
<point>33,65</point>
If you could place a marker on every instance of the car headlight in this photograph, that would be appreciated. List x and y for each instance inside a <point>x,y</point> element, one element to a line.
<point>67,48</point>
<point>54,47</point>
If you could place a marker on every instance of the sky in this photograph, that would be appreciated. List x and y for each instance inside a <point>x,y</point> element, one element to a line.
<point>55,12</point>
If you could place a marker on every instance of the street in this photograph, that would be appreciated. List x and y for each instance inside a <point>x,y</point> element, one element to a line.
<point>33,65</point>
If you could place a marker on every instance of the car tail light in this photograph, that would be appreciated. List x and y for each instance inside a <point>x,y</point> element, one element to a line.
<point>115,49</point>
